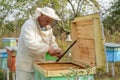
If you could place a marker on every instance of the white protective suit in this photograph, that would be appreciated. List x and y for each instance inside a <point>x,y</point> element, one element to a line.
<point>33,43</point>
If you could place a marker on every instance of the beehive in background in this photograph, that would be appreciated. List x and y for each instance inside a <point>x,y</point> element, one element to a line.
<point>11,51</point>
<point>113,52</point>
<point>3,59</point>
<point>10,42</point>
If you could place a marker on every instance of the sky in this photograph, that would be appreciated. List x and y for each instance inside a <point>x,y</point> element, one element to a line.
<point>105,3</point>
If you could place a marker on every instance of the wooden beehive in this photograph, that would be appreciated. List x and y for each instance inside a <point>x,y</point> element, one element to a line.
<point>59,70</point>
<point>11,51</point>
<point>89,49</point>
<point>88,52</point>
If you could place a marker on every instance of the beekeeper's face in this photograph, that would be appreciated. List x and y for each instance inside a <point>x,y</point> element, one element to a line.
<point>44,20</point>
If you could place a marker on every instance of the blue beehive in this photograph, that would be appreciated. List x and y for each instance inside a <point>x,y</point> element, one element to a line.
<point>3,58</point>
<point>113,52</point>
<point>10,42</point>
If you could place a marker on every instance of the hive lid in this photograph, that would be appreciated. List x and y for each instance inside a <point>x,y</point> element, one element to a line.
<point>112,45</point>
<point>89,49</point>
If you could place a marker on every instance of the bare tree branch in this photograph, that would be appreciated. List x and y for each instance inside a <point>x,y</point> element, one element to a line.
<point>72,7</point>
<point>77,11</point>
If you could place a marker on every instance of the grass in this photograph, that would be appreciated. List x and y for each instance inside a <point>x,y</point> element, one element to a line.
<point>1,74</point>
<point>109,76</point>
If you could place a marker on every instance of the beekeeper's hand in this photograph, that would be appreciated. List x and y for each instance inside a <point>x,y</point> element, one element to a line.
<point>54,52</point>
<point>58,52</point>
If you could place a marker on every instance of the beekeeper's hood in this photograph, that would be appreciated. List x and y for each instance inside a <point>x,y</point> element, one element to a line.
<point>46,11</point>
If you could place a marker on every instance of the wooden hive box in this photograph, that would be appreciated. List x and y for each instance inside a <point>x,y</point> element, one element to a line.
<point>11,51</point>
<point>87,54</point>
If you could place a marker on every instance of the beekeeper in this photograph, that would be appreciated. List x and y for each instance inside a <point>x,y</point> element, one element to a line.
<point>36,38</point>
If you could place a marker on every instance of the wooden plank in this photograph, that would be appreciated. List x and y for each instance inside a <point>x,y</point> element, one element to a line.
<point>86,43</point>
<point>52,67</point>
<point>86,56</point>
<point>74,33</point>
<point>85,34</point>
<point>85,27</point>
<point>86,18</point>
<point>88,52</point>
<point>91,62</point>
<point>85,31</point>
<point>82,23</point>
<point>63,72</point>
<point>99,45</point>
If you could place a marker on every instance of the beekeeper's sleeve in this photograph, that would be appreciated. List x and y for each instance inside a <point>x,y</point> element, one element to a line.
<point>30,41</point>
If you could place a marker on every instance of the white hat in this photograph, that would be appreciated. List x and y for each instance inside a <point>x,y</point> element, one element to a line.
<point>48,12</point>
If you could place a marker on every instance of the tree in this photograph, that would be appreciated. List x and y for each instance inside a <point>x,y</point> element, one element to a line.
<point>12,13</point>
<point>112,23</point>
<point>22,9</point>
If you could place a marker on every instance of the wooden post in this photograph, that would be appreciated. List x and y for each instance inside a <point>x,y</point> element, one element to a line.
<point>7,74</point>
<point>13,75</point>
<point>113,72</point>
<point>107,66</point>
